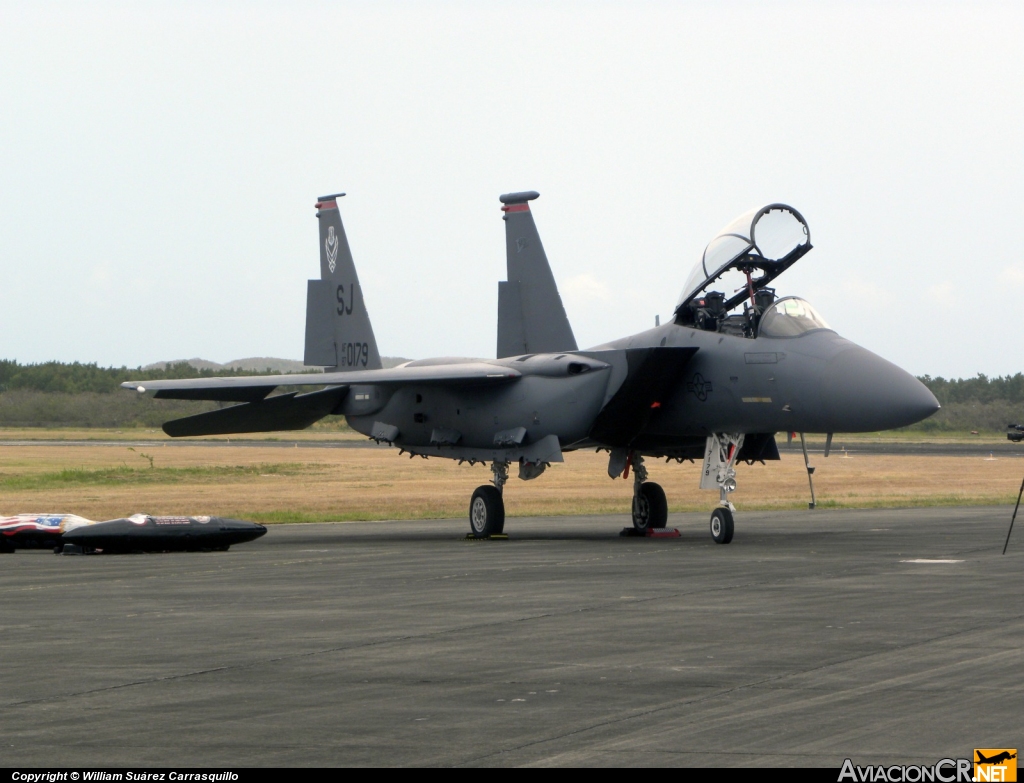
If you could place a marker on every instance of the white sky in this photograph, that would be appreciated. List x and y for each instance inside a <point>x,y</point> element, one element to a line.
<point>159,165</point>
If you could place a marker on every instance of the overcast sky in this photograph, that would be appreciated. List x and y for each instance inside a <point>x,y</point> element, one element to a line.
<point>159,164</point>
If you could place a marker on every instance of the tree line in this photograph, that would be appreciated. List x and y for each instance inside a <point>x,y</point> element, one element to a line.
<point>77,378</point>
<point>73,394</point>
<point>981,388</point>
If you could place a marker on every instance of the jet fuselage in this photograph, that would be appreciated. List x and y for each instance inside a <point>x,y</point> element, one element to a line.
<point>814,382</point>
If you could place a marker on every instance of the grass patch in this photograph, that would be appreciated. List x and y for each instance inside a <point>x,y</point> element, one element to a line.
<point>122,475</point>
<point>274,485</point>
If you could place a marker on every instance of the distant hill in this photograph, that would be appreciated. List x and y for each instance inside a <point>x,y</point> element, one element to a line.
<point>258,364</point>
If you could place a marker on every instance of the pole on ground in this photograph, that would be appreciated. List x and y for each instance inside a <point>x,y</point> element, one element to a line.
<point>1013,517</point>
<point>810,471</point>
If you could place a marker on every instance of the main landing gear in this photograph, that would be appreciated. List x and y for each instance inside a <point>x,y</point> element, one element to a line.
<point>720,472</point>
<point>486,508</point>
<point>650,507</point>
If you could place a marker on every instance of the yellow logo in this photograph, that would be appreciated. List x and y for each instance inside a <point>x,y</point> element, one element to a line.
<point>995,764</point>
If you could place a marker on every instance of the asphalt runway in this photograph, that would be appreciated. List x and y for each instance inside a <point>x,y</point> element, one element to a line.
<point>892,637</point>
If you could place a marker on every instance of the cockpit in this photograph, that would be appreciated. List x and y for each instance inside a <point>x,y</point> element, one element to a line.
<point>740,262</point>
<point>790,317</point>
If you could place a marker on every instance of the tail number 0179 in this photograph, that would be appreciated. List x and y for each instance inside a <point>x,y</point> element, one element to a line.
<point>353,354</point>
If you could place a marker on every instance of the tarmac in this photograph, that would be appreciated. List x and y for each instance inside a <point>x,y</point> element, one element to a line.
<point>885,636</point>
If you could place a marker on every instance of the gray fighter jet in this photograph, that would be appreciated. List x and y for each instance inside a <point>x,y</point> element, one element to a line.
<point>713,383</point>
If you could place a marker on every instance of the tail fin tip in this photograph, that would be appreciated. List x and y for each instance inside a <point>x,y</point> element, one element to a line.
<point>328,202</point>
<point>515,199</point>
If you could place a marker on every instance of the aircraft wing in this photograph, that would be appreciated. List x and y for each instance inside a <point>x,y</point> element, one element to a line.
<point>293,411</point>
<point>256,388</point>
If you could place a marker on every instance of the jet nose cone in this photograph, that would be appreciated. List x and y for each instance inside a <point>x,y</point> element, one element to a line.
<point>863,392</point>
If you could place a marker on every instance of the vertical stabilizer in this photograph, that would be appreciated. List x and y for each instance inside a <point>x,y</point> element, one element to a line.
<point>338,332</point>
<point>531,318</point>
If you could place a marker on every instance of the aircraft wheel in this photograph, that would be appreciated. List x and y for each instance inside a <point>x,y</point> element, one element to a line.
<point>650,507</point>
<point>486,512</point>
<point>721,525</point>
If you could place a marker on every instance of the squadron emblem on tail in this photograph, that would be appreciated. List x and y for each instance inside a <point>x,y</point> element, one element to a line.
<point>331,246</point>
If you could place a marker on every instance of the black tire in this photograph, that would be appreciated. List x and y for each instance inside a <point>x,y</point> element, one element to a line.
<point>721,525</point>
<point>486,512</point>
<point>650,508</point>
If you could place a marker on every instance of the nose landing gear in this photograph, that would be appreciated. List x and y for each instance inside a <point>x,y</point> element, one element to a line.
<point>721,525</point>
<point>720,472</point>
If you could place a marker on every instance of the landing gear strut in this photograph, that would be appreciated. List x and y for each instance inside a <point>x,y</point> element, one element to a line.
<point>486,508</point>
<point>650,507</point>
<point>720,472</point>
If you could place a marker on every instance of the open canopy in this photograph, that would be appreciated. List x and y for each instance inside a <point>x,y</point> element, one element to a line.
<point>767,241</point>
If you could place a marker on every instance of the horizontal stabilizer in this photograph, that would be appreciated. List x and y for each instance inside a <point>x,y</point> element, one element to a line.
<point>650,376</point>
<point>285,412</point>
<point>256,387</point>
<point>215,394</point>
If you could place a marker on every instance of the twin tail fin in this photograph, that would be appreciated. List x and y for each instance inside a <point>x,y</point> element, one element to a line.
<point>339,336</point>
<point>531,318</point>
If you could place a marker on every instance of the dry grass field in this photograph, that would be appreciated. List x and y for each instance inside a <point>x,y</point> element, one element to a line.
<point>276,484</point>
<point>133,434</point>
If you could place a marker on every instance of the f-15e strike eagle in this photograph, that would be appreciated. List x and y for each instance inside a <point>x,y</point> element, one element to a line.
<point>714,383</point>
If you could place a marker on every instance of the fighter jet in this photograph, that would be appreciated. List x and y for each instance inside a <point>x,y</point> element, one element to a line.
<point>713,383</point>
